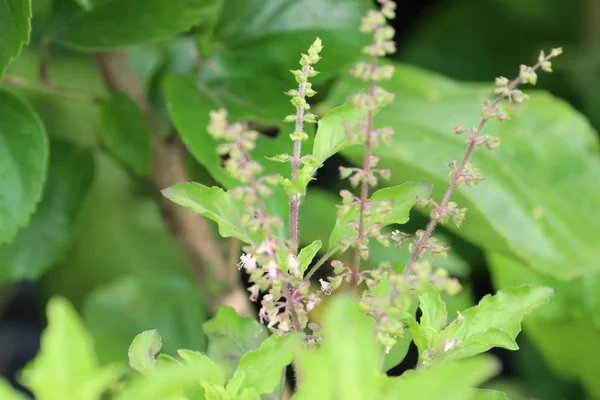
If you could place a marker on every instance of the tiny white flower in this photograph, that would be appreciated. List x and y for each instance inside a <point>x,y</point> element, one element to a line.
<point>248,262</point>
<point>450,344</point>
<point>293,264</point>
<point>284,327</point>
<point>325,286</point>
<point>272,270</point>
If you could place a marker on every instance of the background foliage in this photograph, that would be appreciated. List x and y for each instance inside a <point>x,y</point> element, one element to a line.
<point>84,153</point>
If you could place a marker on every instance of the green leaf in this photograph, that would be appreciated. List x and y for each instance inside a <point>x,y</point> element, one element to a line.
<point>24,155</point>
<point>494,322</point>
<point>433,319</point>
<point>347,365</point>
<point>126,132</point>
<point>262,368</point>
<point>8,393</point>
<point>307,254</point>
<point>486,394</point>
<point>66,366</point>
<point>214,203</point>
<point>169,381</point>
<point>49,232</point>
<point>571,319</point>
<point>528,207</point>
<point>331,135</point>
<point>213,373</point>
<point>448,381</point>
<point>15,27</point>
<point>170,304</point>
<point>112,24</point>
<point>143,349</point>
<point>403,198</point>
<point>231,336</point>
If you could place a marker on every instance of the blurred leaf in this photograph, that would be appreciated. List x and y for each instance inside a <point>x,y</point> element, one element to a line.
<point>448,381</point>
<point>15,27</point>
<point>433,319</point>
<point>8,393</point>
<point>170,304</point>
<point>112,24</point>
<point>46,240</point>
<point>66,366</point>
<point>262,368</point>
<point>214,203</point>
<point>566,331</point>
<point>494,322</point>
<point>169,380</point>
<point>486,394</point>
<point>536,204</point>
<point>307,254</point>
<point>402,197</point>
<point>126,132</point>
<point>346,365</point>
<point>24,155</point>
<point>231,336</point>
<point>213,373</point>
<point>143,350</point>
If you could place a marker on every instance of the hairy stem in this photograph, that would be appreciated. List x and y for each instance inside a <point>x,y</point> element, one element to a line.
<point>364,187</point>
<point>295,202</point>
<point>421,244</point>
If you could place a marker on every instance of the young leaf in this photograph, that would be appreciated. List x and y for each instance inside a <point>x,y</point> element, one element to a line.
<point>231,336</point>
<point>331,135</point>
<point>307,254</point>
<point>171,304</point>
<point>15,27</point>
<point>433,320</point>
<point>143,350</point>
<point>49,232</point>
<point>214,203</point>
<point>448,381</point>
<point>114,23</point>
<point>24,159</point>
<point>262,368</point>
<point>347,365</point>
<point>213,375</point>
<point>494,322</point>
<point>126,132</point>
<point>66,366</point>
<point>402,197</point>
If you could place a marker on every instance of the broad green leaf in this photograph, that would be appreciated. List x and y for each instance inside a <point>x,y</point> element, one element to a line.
<point>402,197</point>
<point>143,350</point>
<point>66,366</point>
<point>571,319</point>
<point>331,135</point>
<point>213,373</point>
<point>112,24</point>
<point>448,381</point>
<point>306,255</point>
<point>262,368</point>
<point>15,27</point>
<point>8,393</point>
<point>24,155</point>
<point>170,304</point>
<point>347,365</point>
<point>231,336</point>
<point>433,318</point>
<point>168,381</point>
<point>214,203</point>
<point>494,322</point>
<point>486,394</point>
<point>126,132</point>
<point>528,207</point>
<point>49,232</point>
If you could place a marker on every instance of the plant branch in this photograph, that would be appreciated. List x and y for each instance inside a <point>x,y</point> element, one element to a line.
<point>49,89</point>
<point>364,187</point>
<point>421,244</point>
<point>193,231</point>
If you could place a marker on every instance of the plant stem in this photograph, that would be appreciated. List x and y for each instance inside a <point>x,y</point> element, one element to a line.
<point>295,202</point>
<point>322,261</point>
<point>421,244</point>
<point>364,188</point>
<point>50,89</point>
